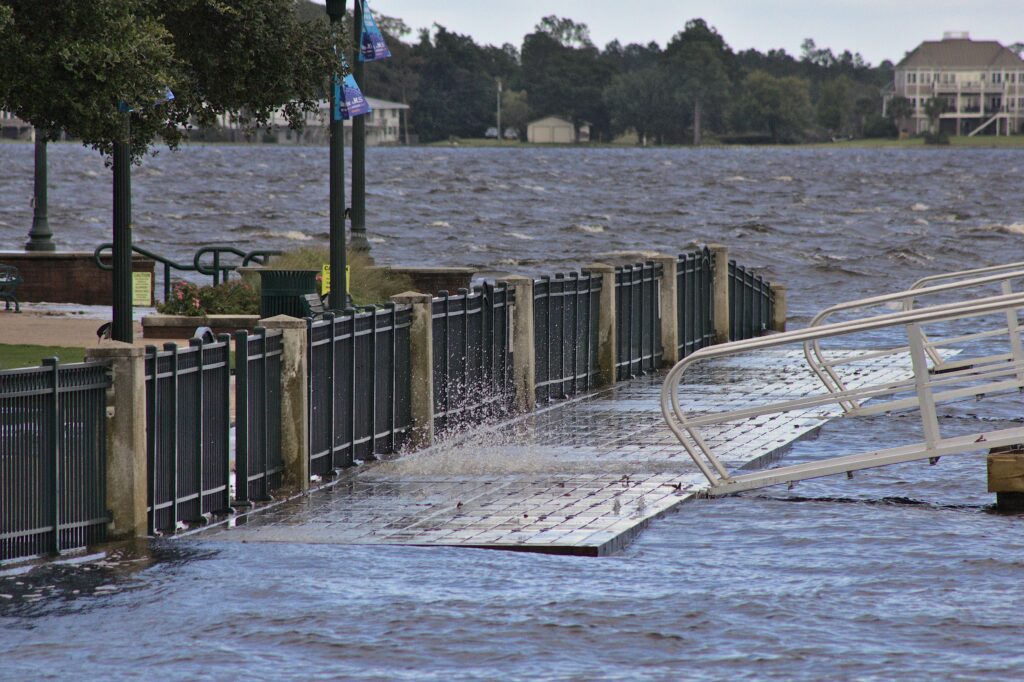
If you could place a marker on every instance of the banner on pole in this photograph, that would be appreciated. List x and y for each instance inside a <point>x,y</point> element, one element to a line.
<point>372,48</point>
<point>348,99</point>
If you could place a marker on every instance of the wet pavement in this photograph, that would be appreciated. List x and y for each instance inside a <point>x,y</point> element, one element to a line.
<point>581,477</point>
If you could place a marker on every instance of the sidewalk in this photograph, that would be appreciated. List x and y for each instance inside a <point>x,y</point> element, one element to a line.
<point>51,324</point>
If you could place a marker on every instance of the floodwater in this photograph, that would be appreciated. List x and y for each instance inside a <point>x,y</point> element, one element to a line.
<point>900,573</point>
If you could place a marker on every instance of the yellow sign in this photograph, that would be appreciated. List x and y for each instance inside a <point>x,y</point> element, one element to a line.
<point>142,288</point>
<point>325,279</point>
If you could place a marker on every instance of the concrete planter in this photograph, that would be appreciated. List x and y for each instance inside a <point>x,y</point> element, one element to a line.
<point>184,326</point>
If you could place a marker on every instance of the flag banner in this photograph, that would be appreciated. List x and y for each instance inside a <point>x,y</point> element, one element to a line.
<point>348,99</point>
<point>372,47</point>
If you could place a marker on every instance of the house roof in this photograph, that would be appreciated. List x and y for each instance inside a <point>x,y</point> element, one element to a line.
<point>961,53</point>
<point>550,120</point>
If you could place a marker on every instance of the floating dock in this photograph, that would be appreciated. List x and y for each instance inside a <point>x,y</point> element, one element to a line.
<point>580,477</point>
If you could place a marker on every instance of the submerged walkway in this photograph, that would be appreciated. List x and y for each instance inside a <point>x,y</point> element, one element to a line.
<point>580,477</point>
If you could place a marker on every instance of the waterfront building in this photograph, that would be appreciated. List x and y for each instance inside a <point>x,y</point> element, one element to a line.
<point>13,128</point>
<point>551,130</point>
<point>981,83</point>
<point>386,124</point>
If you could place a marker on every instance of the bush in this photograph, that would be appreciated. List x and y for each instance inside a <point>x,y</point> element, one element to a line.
<point>237,297</point>
<point>876,127</point>
<point>369,285</point>
<point>935,138</point>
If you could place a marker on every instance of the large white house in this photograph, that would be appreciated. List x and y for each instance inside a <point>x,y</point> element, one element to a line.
<point>385,125</point>
<point>980,81</point>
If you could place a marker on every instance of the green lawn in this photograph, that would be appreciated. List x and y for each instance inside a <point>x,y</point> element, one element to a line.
<point>30,356</point>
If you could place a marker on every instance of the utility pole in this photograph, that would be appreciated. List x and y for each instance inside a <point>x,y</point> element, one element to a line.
<point>501,133</point>
<point>359,242</point>
<point>40,238</point>
<point>121,329</point>
<point>337,259</point>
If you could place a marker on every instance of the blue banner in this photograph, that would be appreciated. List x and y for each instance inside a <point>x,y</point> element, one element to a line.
<point>372,47</point>
<point>348,99</point>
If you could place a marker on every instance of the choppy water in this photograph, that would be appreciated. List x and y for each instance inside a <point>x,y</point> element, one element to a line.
<point>902,573</point>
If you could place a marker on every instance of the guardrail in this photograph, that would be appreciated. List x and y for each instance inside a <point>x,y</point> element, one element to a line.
<point>987,376</point>
<point>637,319</point>
<point>695,314</point>
<point>258,463</point>
<point>750,303</point>
<point>566,310</point>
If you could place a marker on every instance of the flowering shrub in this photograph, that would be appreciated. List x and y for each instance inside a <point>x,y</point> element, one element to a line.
<point>236,297</point>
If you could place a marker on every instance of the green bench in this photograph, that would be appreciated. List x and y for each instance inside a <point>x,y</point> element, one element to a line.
<point>10,280</point>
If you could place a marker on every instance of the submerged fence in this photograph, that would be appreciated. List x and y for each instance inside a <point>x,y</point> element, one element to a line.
<point>188,428</point>
<point>695,300</point>
<point>52,458</point>
<point>258,464</point>
<point>358,386</point>
<point>637,319</point>
<point>566,313</point>
<point>471,343</point>
<point>750,303</point>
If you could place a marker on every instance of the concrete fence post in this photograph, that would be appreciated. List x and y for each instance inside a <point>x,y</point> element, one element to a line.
<point>421,366</point>
<point>1006,477</point>
<point>606,350</point>
<point>126,438</point>
<point>524,353</point>
<point>294,398</point>
<point>669,308</point>
<point>720,289</point>
<point>779,309</point>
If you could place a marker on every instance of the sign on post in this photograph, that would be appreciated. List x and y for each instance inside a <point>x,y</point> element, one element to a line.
<point>142,288</point>
<point>325,279</point>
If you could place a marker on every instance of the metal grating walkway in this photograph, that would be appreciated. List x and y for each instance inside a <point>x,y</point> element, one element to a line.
<point>581,477</point>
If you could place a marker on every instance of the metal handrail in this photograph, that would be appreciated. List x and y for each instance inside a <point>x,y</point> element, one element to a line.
<point>988,376</point>
<point>217,271</point>
<point>824,369</point>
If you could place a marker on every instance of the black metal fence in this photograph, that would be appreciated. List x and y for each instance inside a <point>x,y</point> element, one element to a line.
<point>52,458</point>
<point>258,463</point>
<point>566,312</point>
<point>637,319</point>
<point>695,300</point>
<point>472,365</point>
<point>359,402</point>
<point>750,303</point>
<point>188,426</point>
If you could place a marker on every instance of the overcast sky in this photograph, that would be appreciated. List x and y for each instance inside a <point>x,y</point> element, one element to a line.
<point>878,29</point>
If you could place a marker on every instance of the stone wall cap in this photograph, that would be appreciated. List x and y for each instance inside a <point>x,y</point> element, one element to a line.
<point>412,297</point>
<point>283,322</point>
<point>114,349</point>
<point>425,270</point>
<point>599,267</point>
<point>160,320</point>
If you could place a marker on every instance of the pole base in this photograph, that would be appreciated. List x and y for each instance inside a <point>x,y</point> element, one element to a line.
<point>358,242</point>
<point>40,245</point>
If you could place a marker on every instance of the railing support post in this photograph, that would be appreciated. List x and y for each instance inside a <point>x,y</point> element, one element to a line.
<point>606,351</point>
<point>720,291</point>
<point>779,307</point>
<point>421,366</point>
<point>669,308</point>
<point>294,399</point>
<point>1006,478</point>
<point>126,439</point>
<point>524,353</point>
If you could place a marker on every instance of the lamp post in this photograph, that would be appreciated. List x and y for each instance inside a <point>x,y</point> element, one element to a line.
<point>121,329</point>
<point>40,238</point>
<point>337,259</point>
<point>359,242</point>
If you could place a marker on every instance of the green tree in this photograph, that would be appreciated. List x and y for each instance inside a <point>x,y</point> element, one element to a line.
<point>834,104</point>
<point>515,111</point>
<point>641,100</point>
<point>455,94</point>
<point>780,106</point>
<point>899,108</point>
<point>697,59</point>
<point>934,108</point>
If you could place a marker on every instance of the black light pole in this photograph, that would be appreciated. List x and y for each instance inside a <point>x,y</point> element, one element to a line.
<point>121,329</point>
<point>359,242</point>
<point>339,295</point>
<point>40,238</point>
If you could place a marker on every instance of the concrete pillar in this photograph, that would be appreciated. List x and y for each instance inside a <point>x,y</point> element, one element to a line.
<point>421,366</point>
<point>126,438</point>
<point>720,291</point>
<point>669,308</point>
<point>779,311</point>
<point>1006,477</point>
<point>524,353</point>
<point>606,336</point>
<point>294,399</point>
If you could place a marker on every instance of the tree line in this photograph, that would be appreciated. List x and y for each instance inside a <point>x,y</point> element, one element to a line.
<point>695,86</point>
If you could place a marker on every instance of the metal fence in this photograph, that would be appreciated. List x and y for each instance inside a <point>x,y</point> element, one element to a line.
<point>52,458</point>
<point>188,426</point>
<point>637,319</point>
<point>472,365</point>
<point>695,299</point>
<point>566,311</point>
<point>750,303</point>
<point>359,401</point>
<point>258,463</point>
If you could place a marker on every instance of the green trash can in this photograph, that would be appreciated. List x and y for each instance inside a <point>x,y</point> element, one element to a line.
<point>281,291</point>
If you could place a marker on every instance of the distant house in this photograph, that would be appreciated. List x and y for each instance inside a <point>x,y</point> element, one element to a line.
<point>551,130</point>
<point>981,82</point>
<point>384,126</point>
<point>12,127</point>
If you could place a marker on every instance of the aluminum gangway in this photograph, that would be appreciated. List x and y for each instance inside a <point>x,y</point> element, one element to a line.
<point>962,341</point>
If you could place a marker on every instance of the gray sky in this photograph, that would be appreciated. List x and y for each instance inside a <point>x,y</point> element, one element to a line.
<point>878,29</point>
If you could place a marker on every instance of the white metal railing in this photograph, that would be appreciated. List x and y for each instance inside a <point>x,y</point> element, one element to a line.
<point>985,376</point>
<point>961,282</point>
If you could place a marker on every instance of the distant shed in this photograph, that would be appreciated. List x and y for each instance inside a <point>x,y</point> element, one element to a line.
<point>551,130</point>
